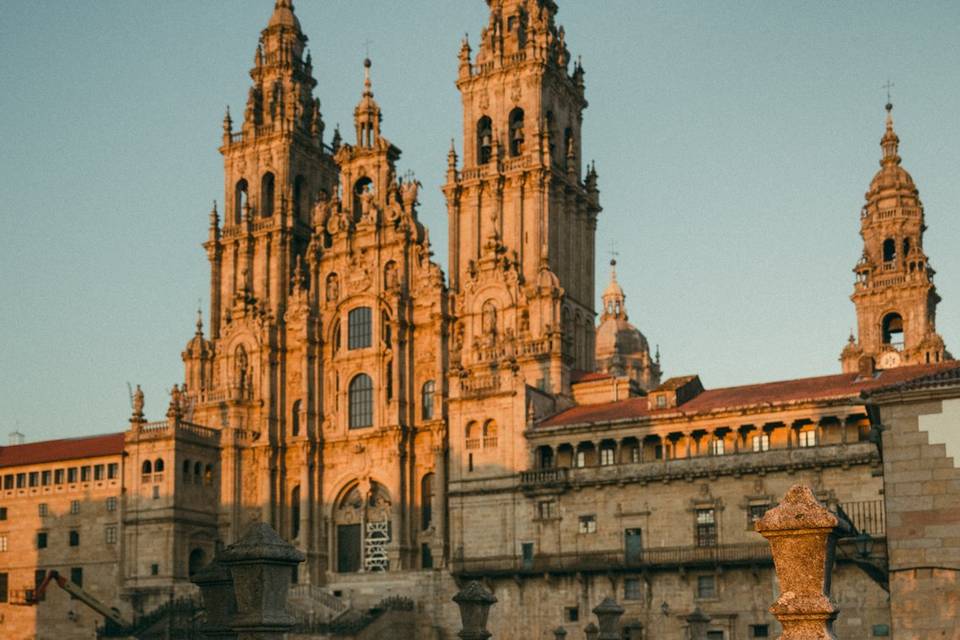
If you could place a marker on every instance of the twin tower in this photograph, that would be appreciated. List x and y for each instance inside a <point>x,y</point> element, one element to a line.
<point>352,385</point>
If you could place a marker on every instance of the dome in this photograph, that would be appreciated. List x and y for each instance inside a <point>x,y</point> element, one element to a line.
<point>892,180</point>
<point>616,336</point>
<point>614,290</point>
<point>283,16</point>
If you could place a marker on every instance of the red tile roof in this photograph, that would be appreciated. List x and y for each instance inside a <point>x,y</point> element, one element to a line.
<point>110,444</point>
<point>835,387</point>
<point>588,376</point>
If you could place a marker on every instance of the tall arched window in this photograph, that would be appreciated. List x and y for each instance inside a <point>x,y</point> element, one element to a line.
<point>426,399</point>
<point>198,558</point>
<point>484,140</point>
<point>295,418</point>
<point>893,330</point>
<point>473,435</point>
<point>889,250</point>
<point>186,471</point>
<point>426,501</point>
<point>158,465</point>
<point>147,467</point>
<point>197,472</point>
<point>361,402</point>
<point>516,132</point>
<point>360,187</point>
<point>295,513</point>
<point>239,200</point>
<point>267,185</point>
<point>490,434</point>
<point>299,198</point>
<point>360,328</point>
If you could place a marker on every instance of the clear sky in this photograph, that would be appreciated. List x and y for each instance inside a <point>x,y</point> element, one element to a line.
<point>734,143</point>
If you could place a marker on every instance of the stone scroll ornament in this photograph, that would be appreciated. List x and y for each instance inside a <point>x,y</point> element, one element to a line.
<point>802,534</point>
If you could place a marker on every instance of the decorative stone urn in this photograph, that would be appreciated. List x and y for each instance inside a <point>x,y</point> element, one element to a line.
<point>474,601</point>
<point>608,613</point>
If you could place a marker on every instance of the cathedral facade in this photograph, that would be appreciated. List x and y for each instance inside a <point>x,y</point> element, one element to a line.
<point>407,429</point>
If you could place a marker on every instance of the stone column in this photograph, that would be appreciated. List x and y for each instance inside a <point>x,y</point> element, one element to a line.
<point>474,602</point>
<point>219,600</point>
<point>261,564</point>
<point>697,623</point>
<point>802,535</point>
<point>608,614</point>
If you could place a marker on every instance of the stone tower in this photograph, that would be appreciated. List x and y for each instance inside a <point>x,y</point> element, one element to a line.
<point>894,294</point>
<point>621,349</point>
<point>522,219</point>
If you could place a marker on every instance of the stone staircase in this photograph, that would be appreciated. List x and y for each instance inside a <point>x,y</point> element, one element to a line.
<point>315,605</point>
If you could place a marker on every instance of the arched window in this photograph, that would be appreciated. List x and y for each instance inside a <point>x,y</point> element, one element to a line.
<point>388,380</point>
<point>208,475</point>
<point>386,330</point>
<point>545,459</point>
<point>266,194</point>
<point>239,200</point>
<point>361,402</point>
<point>473,435</point>
<point>295,513</point>
<point>484,140</point>
<point>147,467</point>
<point>360,187</point>
<point>158,465</point>
<point>893,330</point>
<point>906,246</point>
<point>198,558</point>
<point>186,471</point>
<point>889,249</point>
<point>516,132</point>
<point>299,198</point>
<point>426,501</point>
<point>295,418</point>
<point>197,472</point>
<point>426,399</point>
<point>336,336</point>
<point>359,325</point>
<point>490,434</point>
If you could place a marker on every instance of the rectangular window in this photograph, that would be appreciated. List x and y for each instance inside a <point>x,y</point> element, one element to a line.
<point>759,631</point>
<point>74,538</point>
<point>706,586</point>
<point>3,542</point>
<point>714,635</point>
<point>156,492</point>
<point>110,534</point>
<point>154,569</point>
<point>761,442</point>
<point>34,478</point>
<point>546,509</point>
<point>588,524</point>
<point>881,631</point>
<point>85,474</point>
<point>706,531</point>
<point>755,512</point>
<point>581,460</point>
<point>39,576</point>
<point>42,540</point>
<point>631,589</point>
<point>3,513</point>
<point>360,328</point>
<point>661,402</point>
<point>807,438</point>
<point>571,614</point>
<point>111,504</point>
<point>8,482</point>
<point>76,576</point>
<point>113,471</point>
<point>43,509</point>
<point>45,477</point>
<point>21,480</point>
<point>606,457</point>
<point>74,507</point>
<point>716,447</point>
<point>4,586</point>
<point>72,475</point>
<point>98,472</point>
<point>58,476</point>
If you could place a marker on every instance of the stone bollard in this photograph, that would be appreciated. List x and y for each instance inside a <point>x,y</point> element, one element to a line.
<point>559,633</point>
<point>219,602</point>
<point>697,623</point>
<point>633,630</point>
<point>803,537</point>
<point>474,602</point>
<point>261,563</point>
<point>591,631</point>
<point>608,613</point>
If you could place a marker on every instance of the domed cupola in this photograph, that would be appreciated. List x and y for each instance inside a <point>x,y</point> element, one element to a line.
<point>621,349</point>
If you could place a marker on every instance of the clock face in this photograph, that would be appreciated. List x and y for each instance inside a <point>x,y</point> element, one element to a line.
<point>889,360</point>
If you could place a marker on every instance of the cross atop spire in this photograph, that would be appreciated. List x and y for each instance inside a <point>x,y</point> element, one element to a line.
<point>367,114</point>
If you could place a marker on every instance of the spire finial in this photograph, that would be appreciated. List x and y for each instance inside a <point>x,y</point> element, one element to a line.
<point>367,84</point>
<point>199,316</point>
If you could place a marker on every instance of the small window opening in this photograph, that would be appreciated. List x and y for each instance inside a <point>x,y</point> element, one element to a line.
<point>267,194</point>
<point>893,330</point>
<point>889,250</point>
<point>484,140</point>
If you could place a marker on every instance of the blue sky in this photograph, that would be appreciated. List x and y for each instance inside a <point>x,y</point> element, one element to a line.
<point>734,143</point>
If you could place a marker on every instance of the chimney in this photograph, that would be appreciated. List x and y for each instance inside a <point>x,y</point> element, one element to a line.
<point>866,368</point>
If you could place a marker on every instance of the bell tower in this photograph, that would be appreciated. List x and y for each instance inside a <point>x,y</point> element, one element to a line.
<point>894,294</point>
<point>275,166</point>
<point>522,211</point>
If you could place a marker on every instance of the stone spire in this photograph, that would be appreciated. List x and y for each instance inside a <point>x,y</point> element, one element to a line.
<point>613,297</point>
<point>367,115</point>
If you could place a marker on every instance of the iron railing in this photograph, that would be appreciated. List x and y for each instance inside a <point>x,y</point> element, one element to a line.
<point>867,516</point>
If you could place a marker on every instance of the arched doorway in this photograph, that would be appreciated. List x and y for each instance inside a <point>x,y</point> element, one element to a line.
<point>363,529</point>
<point>198,559</point>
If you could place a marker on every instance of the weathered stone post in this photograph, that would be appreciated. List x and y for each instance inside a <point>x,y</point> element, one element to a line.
<point>803,537</point>
<point>261,564</point>
<point>608,613</point>
<point>559,633</point>
<point>474,602</point>
<point>634,630</point>
<point>219,601</point>
<point>697,623</point>
<point>591,631</point>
